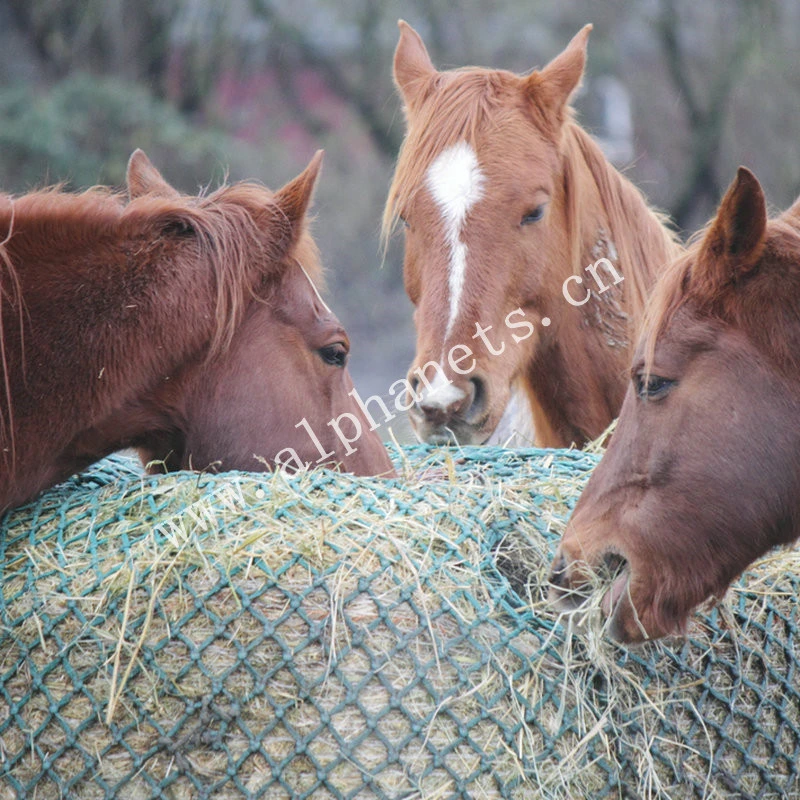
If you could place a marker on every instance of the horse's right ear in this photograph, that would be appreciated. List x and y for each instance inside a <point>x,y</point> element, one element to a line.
<point>412,64</point>
<point>551,88</point>
<point>732,247</point>
<point>143,178</point>
<point>294,198</point>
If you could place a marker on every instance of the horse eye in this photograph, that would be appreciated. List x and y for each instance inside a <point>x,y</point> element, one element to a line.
<point>534,215</point>
<point>654,388</point>
<point>404,221</point>
<point>334,354</point>
<point>178,227</point>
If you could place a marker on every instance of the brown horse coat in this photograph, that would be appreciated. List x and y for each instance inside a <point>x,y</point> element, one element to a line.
<point>527,255</point>
<point>702,475</point>
<point>182,326</point>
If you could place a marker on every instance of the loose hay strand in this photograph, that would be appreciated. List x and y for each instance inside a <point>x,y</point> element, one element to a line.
<point>117,688</point>
<point>391,637</point>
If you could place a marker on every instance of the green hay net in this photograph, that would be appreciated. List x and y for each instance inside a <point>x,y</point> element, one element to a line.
<point>254,635</point>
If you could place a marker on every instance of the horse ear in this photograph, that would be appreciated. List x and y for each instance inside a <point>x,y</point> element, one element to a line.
<point>294,198</point>
<point>143,178</point>
<point>412,64</point>
<point>734,242</point>
<point>553,86</point>
<point>794,210</point>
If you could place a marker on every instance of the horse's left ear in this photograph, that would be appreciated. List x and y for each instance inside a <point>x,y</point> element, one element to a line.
<point>732,247</point>
<point>552,87</point>
<point>143,178</point>
<point>294,198</point>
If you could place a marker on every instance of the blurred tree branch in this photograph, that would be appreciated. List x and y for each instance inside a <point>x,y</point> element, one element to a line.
<point>363,96</point>
<point>706,118</point>
<point>103,36</point>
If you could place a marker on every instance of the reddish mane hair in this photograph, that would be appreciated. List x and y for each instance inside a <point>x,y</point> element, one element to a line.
<point>702,475</point>
<point>535,203</point>
<point>472,99</point>
<point>153,320</point>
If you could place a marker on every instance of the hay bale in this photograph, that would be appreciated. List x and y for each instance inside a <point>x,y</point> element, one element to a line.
<point>327,636</point>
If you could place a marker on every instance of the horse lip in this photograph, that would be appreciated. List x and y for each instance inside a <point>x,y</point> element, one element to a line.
<point>620,587</point>
<point>441,436</point>
<point>566,600</point>
<point>456,432</point>
<point>561,593</point>
<point>568,597</point>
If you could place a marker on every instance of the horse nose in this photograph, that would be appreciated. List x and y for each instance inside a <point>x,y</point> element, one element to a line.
<point>440,401</point>
<point>441,404</point>
<point>558,572</point>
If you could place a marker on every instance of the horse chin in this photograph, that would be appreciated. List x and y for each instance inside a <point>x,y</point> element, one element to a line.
<point>626,624</point>
<point>456,433</point>
<point>571,591</point>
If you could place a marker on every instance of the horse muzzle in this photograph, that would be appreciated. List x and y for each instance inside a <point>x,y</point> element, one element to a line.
<point>573,584</point>
<point>448,414</point>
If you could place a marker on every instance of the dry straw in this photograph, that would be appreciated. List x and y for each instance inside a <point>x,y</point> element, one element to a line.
<point>326,636</point>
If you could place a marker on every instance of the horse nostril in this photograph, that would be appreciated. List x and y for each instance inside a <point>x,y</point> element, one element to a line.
<point>477,407</point>
<point>558,572</point>
<point>612,565</point>
<point>413,384</point>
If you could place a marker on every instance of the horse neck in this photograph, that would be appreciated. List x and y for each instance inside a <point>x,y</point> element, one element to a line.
<point>608,217</point>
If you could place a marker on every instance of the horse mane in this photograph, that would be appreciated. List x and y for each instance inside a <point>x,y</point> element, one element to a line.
<point>642,236</point>
<point>10,297</point>
<point>228,226</point>
<point>471,98</point>
<point>467,98</point>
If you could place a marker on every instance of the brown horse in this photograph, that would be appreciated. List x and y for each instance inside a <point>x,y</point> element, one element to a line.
<point>188,328</point>
<point>702,475</point>
<point>518,235</point>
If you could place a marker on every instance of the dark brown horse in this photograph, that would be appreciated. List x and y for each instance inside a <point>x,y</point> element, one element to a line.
<point>186,327</point>
<point>702,475</point>
<point>527,255</point>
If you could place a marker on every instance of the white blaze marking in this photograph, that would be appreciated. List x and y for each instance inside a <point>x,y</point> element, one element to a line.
<point>456,182</point>
<point>515,428</point>
<point>442,393</point>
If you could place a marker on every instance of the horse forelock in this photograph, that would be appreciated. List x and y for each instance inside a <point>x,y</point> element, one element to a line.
<point>462,103</point>
<point>666,298</point>
<point>246,238</point>
<point>285,245</point>
<point>289,248</point>
<point>466,101</point>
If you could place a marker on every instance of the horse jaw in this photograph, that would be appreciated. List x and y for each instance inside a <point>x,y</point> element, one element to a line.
<point>515,428</point>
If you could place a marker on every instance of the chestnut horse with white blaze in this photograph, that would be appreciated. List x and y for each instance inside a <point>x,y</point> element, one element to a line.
<point>702,475</point>
<point>185,327</point>
<point>527,255</point>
